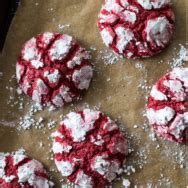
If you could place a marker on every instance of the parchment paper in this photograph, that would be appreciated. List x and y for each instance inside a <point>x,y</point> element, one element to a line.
<point>114,89</point>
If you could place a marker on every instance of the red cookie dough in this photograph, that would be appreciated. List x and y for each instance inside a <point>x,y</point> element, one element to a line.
<point>53,69</point>
<point>18,171</point>
<point>136,28</point>
<point>89,149</point>
<point>168,106</point>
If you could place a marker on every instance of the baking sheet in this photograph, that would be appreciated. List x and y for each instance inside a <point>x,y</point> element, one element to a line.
<point>115,90</point>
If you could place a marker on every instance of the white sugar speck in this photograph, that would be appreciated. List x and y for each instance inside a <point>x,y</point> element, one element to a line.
<point>126,183</point>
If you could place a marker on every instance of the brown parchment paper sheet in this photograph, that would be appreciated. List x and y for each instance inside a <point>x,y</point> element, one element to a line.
<point>120,97</point>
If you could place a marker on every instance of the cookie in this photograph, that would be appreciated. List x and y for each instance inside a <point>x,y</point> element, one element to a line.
<point>168,106</point>
<point>89,149</point>
<point>136,28</point>
<point>53,69</point>
<point>19,171</point>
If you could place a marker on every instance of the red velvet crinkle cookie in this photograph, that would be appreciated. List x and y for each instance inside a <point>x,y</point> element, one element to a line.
<point>89,149</point>
<point>53,69</point>
<point>18,171</point>
<point>168,106</point>
<point>136,28</point>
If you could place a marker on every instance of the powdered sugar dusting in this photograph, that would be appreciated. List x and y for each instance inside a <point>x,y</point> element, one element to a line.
<point>82,77</point>
<point>53,77</point>
<point>30,51</point>
<point>59,148</point>
<point>124,37</point>
<point>109,170</point>
<point>82,180</point>
<point>78,126</point>
<point>160,117</point>
<point>149,4</point>
<point>65,167</point>
<point>182,57</point>
<point>159,31</point>
<point>60,48</point>
<point>109,58</point>
<point>107,37</point>
<point>158,95</point>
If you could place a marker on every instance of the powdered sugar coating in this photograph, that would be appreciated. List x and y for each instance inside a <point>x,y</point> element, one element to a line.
<point>53,69</point>
<point>17,170</point>
<point>65,167</point>
<point>168,107</point>
<point>60,48</point>
<point>156,4</point>
<point>83,180</point>
<point>157,95</point>
<point>82,77</point>
<point>162,116</point>
<point>108,169</point>
<point>136,28</point>
<point>97,149</point>
<point>158,31</point>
